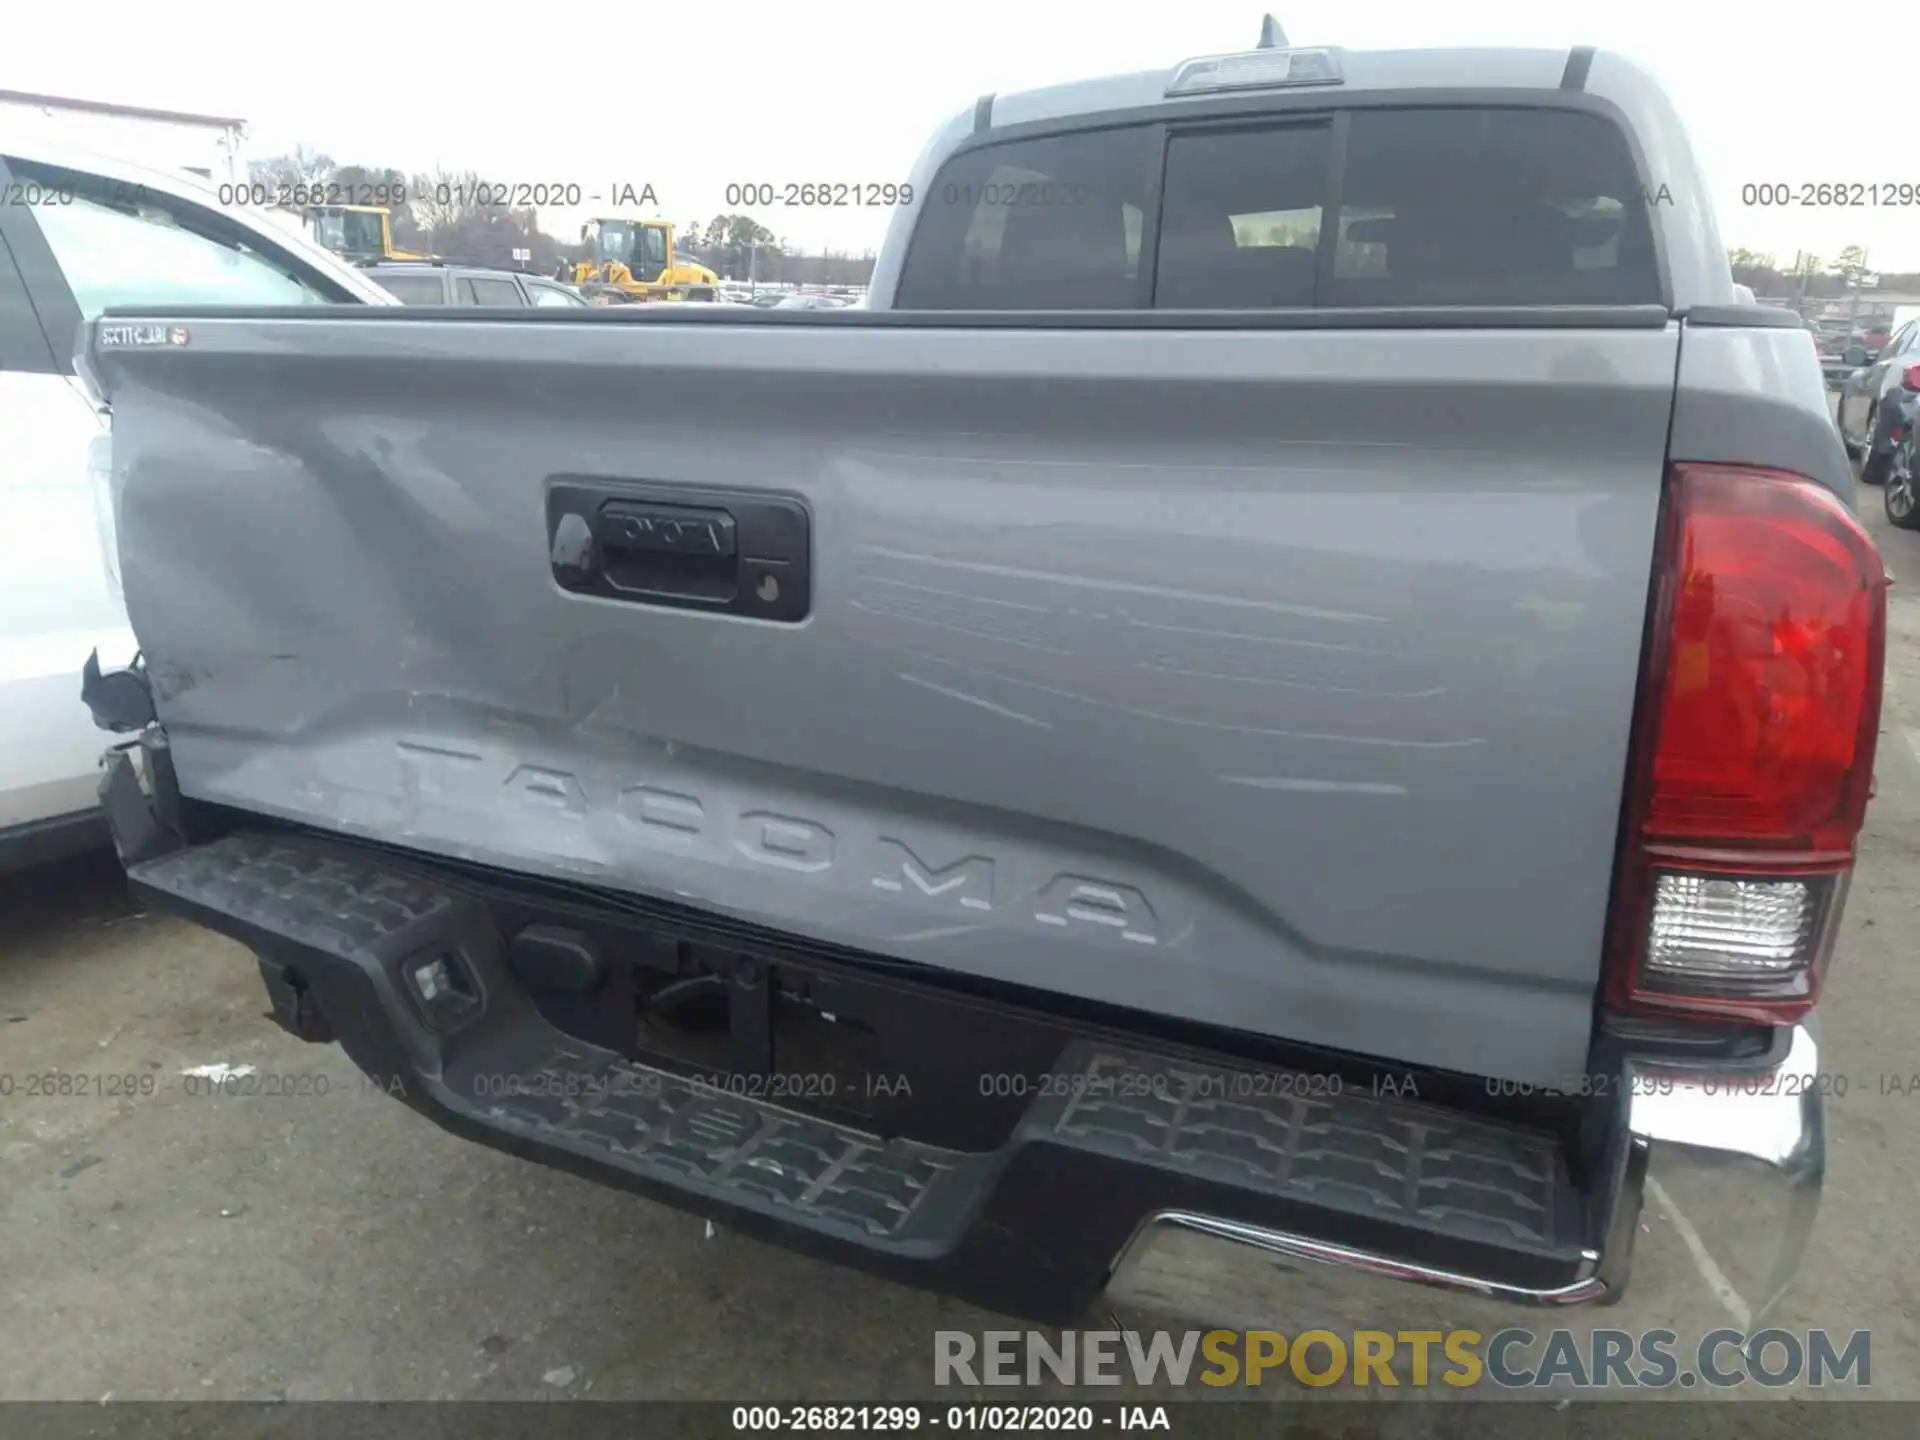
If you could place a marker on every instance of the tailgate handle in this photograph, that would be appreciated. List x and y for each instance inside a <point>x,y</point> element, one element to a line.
<point>666,529</point>
<point>650,543</point>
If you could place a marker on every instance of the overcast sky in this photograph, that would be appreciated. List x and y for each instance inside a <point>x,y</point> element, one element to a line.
<point>690,96</point>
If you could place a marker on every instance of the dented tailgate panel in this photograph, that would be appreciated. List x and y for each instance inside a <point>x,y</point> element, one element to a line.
<point>1274,679</point>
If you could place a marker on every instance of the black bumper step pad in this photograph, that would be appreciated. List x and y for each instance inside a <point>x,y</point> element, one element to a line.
<point>1118,1132</point>
<point>292,897</point>
<point>1319,1140</point>
<point>334,899</point>
<point>713,1140</point>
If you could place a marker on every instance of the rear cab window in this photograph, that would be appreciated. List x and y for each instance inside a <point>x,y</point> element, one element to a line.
<point>1241,217</point>
<point>1054,223</point>
<point>1368,207</point>
<point>1490,207</point>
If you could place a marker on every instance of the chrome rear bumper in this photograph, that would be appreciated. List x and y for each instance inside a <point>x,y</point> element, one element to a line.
<point>1736,1160</point>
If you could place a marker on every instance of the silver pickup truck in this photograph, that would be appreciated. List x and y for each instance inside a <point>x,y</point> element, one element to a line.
<point>1303,677</point>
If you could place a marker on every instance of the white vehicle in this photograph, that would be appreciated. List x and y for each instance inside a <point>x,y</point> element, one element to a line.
<point>212,147</point>
<point>78,233</point>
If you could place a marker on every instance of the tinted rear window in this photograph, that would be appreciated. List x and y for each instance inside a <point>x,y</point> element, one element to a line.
<point>1437,206</point>
<point>1047,224</point>
<point>1240,221</point>
<point>1490,207</point>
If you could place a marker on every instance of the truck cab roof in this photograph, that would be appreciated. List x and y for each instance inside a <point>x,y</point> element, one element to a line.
<point>1360,71</point>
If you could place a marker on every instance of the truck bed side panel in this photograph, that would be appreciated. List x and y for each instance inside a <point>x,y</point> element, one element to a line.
<point>1753,396</point>
<point>1275,679</point>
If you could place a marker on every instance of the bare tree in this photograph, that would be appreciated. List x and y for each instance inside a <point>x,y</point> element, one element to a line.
<point>443,198</point>
<point>301,166</point>
<point>459,218</point>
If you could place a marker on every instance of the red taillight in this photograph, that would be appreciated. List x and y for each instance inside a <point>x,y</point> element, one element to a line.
<point>1754,748</point>
<point>1772,677</point>
<point>1910,377</point>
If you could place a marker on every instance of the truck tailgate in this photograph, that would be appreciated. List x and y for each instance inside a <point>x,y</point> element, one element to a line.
<point>1279,679</point>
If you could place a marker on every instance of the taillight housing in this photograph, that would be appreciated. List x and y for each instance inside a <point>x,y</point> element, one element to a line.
<point>1910,377</point>
<point>1753,748</point>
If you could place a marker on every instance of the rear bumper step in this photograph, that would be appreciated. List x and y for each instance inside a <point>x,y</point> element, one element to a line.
<point>1120,1148</point>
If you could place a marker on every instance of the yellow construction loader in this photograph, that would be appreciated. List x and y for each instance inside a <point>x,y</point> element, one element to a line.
<point>355,232</point>
<point>633,261</point>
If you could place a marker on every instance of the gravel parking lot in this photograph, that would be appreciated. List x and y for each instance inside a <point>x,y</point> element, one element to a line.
<point>338,1246</point>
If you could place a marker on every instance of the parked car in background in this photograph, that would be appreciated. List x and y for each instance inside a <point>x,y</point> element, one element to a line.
<point>436,282</point>
<point>80,232</point>
<point>1899,495</point>
<point>1830,343</point>
<point>810,302</point>
<point>1872,397</point>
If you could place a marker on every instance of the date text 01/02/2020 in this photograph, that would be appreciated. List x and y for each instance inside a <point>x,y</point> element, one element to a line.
<point>1186,1085</point>
<point>482,194</point>
<point>34,192</point>
<point>1601,1085</point>
<point>991,1419</point>
<point>738,1085</point>
<point>201,1082</point>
